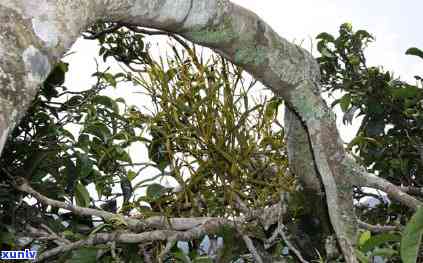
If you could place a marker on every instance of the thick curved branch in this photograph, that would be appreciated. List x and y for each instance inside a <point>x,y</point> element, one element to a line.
<point>302,165</point>
<point>300,156</point>
<point>238,34</point>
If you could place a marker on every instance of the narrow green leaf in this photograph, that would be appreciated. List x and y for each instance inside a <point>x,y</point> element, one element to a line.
<point>202,259</point>
<point>411,237</point>
<point>345,102</point>
<point>378,240</point>
<point>361,257</point>
<point>155,191</point>
<point>99,228</point>
<point>364,237</point>
<point>271,109</point>
<point>81,195</point>
<point>384,252</point>
<point>326,36</point>
<point>414,52</point>
<point>98,129</point>
<point>107,102</point>
<point>110,79</point>
<point>84,165</point>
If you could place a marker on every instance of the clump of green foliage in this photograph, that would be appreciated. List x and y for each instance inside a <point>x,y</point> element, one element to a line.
<point>389,140</point>
<point>205,130</point>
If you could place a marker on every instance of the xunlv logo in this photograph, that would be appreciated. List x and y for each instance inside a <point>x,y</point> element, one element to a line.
<point>19,254</point>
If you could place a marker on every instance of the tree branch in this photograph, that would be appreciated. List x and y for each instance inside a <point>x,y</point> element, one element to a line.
<point>250,246</point>
<point>23,186</point>
<point>416,191</point>
<point>168,229</point>
<point>364,179</point>
<point>208,227</point>
<point>95,35</point>
<point>378,228</point>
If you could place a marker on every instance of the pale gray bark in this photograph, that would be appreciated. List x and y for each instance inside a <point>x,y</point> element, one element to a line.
<point>301,164</point>
<point>35,34</point>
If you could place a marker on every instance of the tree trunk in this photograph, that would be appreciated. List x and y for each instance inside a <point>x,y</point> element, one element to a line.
<point>301,164</point>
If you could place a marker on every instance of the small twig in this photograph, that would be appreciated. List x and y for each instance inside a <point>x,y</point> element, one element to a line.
<point>280,228</point>
<point>23,186</point>
<point>241,205</point>
<point>290,245</point>
<point>113,250</point>
<point>54,234</point>
<point>169,244</point>
<point>43,235</point>
<point>416,191</point>
<point>101,33</point>
<point>250,245</point>
<point>377,228</point>
<point>137,29</point>
<point>146,254</point>
<point>272,239</point>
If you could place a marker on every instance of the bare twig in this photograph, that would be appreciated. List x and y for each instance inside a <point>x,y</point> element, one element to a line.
<point>272,239</point>
<point>291,247</point>
<point>147,257</point>
<point>242,206</point>
<point>54,234</point>
<point>150,32</point>
<point>377,228</point>
<point>416,191</point>
<point>169,244</point>
<point>250,245</point>
<point>113,249</point>
<point>95,35</point>
<point>42,234</point>
<point>23,186</point>
<point>281,227</point>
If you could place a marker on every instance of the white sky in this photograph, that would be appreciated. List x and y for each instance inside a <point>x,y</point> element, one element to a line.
<point>396,25</point>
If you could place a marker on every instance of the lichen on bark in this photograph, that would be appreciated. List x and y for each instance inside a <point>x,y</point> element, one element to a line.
<point>308,105</point>
<point>222,33</point>
<point>250,55</point>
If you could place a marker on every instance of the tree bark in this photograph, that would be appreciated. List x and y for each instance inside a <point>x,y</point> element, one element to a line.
<point>301,164</point>
<point>35,34</point>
